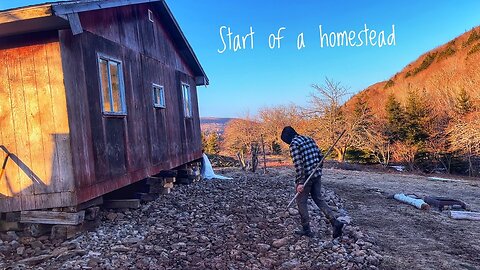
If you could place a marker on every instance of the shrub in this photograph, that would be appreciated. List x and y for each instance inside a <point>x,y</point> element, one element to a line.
<point>449,51</point>
<point>427,61</point>
<point>389,84</point>
<point>359,156</point>
<point>474,36</point>
<point>474,49</point>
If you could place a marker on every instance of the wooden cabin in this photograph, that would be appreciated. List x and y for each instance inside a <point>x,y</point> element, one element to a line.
<point>94,96</point>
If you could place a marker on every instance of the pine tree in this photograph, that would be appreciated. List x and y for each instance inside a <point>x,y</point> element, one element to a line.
<point>204,140</point>
<point>463,102</point>
<point>212,144</point>
<point>395,128</point>
<point>416,112</point>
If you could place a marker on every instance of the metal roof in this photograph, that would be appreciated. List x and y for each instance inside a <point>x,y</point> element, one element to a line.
<point>64,15</point>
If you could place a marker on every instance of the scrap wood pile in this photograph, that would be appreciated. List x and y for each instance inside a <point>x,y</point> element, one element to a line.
<point>459,210</point>
<point>223,161</point>
<point>232,224</point>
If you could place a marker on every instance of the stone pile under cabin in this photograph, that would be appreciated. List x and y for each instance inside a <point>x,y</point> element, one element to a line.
<point>94,96</point>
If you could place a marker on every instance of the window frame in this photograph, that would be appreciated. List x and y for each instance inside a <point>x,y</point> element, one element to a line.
<point>150,16</point>
<point>187,113</point>
<point>123,102</point>
<point>162,96</point>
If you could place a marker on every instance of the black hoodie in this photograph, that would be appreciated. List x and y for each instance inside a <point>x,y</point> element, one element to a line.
<point>288,133</point>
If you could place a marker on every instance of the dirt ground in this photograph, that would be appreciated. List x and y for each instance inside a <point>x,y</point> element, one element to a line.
<point>408,237</point>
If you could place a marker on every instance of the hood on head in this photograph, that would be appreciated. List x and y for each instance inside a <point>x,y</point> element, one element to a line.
<point>288,133</point>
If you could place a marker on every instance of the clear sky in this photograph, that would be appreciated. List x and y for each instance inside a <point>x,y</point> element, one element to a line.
<point>247,80</point>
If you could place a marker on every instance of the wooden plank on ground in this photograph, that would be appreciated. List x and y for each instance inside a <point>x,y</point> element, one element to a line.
<point>12,216</point>
<point>152,180</point>
<point>128,203</point>
<point>146,197</point>
<point>465,215</point>
<point>49,217</point>
<point>6,226</point>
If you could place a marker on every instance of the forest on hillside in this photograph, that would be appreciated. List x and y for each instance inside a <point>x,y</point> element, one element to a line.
<point>426,117</point>
<point>407,133</point>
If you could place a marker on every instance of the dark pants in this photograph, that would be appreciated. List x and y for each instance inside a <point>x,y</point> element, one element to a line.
<point>313,188</point>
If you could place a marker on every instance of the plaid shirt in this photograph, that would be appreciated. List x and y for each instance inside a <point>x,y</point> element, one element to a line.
<point>306,156</point>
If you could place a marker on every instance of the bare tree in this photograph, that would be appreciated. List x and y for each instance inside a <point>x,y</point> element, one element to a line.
<point>328,116</point>
<point>464,135</point>
<point>239,136</point>
<point>376,141</point>
<point>274,119</point>
<point>406,152</point>
<point>438,144</point>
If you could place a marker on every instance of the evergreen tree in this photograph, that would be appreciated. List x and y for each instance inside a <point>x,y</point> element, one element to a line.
<point>463,102</point>
<point>212,144</point>
<point>204,140</point>
<point>395,128</point>
<point>276,148</point>
<point>416,112</point>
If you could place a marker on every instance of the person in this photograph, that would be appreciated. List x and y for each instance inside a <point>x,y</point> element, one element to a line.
<point>306,156</point>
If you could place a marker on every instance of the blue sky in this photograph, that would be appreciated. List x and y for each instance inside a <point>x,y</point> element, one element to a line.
<point>247,80</point>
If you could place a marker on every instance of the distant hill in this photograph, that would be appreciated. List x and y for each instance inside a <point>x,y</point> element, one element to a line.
<point>214,124</point>
<point>440,74</point>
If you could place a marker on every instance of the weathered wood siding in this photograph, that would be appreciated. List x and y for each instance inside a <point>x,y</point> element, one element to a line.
<point>111,152</point>
<point>34,125</point>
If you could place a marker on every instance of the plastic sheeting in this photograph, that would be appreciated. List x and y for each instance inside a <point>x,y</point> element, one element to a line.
<point>207,170</point>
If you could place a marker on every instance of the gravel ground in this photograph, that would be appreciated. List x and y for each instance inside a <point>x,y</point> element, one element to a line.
<point>243,224</point>
<point>235,224</point>
<point>410,238</point>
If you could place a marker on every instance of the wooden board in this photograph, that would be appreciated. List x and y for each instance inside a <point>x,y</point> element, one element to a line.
<point>26,13</point>
<point>116,204</point>
<point>33,114</point>
<point>475,216</point>
<point>50,217</point>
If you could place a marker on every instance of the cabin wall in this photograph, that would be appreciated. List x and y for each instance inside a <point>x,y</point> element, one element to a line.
<point>111,152</point>
<point>34,125</point>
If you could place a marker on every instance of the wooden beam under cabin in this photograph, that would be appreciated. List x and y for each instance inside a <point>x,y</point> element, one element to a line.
<point>50,217</point>
<point>116,204</point>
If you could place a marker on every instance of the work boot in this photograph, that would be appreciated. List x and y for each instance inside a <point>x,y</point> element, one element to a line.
<point>305,231</point>
<point>337,227</point>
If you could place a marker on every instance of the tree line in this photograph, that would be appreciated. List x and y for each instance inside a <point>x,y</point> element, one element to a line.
<point>415,132</point>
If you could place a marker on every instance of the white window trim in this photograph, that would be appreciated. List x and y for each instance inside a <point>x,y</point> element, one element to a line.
<point>150,15</point>
<point>189,103</point>
<point>101,56</point>
<point>158,106</point>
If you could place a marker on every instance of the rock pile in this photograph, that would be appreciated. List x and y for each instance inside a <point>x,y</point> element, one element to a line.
<point>232,224</point>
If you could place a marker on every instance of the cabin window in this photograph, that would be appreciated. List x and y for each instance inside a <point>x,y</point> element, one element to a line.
<point>187,100</point>
<point>158,96</point>
<point>112,86</point>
